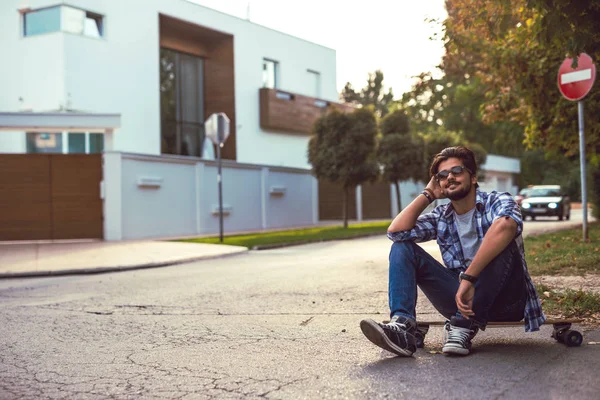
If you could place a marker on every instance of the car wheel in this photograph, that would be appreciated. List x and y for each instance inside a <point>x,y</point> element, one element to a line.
<point>532,218</point>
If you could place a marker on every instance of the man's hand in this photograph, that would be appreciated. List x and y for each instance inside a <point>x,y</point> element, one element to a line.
<point>464,298</point>
<point>435,187</point>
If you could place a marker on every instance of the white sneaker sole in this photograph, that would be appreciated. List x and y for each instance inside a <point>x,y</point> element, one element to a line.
<point>377,336</point>
<point>456,350</point>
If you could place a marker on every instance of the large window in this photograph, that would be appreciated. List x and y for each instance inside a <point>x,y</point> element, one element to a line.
<point>63,19</point>
<point>181,103</point>
<point>65,143</point>
<point>270,74</point>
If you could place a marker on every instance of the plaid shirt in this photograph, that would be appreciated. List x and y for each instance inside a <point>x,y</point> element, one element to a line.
<point>439,224</point>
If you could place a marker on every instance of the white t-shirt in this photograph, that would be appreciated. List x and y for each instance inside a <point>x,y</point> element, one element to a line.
<point>467,231</point>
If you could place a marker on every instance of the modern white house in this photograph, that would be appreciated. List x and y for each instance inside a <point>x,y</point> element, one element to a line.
<point>161,67</point>
<point>164,66</point>
<point>102,117</point>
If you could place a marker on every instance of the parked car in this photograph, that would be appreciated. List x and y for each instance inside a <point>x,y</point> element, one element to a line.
<point>522,195</point>
<point>546,200</point>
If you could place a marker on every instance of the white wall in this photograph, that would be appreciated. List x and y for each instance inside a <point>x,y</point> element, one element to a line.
<point>494,162</point>
<point>116,75</point>
<point>119,73</point>
<point>31,71</point>
<point>296,202</point>
<point>185,201</point>
<point>500,174</point>
<point>241,196</point>
<point>168,210</point>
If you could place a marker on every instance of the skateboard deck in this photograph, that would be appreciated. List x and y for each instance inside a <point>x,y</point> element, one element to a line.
<point>561,330</point>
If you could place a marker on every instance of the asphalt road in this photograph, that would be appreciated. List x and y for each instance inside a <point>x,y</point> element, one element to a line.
<point>267,324</point>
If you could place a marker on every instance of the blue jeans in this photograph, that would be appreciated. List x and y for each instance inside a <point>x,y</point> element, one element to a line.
<point>500,293</point>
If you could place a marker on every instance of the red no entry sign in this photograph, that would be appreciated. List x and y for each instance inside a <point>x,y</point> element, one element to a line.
<point>575,83</point>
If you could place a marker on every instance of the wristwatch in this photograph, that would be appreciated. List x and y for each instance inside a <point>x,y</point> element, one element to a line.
<point>466,277</point>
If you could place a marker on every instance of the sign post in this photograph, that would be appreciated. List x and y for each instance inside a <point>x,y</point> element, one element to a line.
<point>575,84</point>
<point>217,130</point>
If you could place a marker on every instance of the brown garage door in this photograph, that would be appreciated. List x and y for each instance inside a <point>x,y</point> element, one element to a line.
<point>376,200</point>
<point>331,202</point>
<point>50,196</point>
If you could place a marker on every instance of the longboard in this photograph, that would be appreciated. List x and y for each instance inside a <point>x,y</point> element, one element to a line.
<point>561,330</point>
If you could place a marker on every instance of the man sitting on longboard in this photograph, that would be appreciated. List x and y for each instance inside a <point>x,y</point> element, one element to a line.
<point>485,276</point>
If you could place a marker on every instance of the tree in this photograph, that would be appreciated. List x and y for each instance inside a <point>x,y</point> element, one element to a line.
<point>453,103</point>
<point>399,153</point>
<point>371,95</point>
<point>342,150</point>
<point>568,24</point>
<point>517,62</point>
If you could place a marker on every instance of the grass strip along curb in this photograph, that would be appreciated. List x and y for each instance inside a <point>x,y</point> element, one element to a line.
<point>564,252</point>
<point>269,240</point>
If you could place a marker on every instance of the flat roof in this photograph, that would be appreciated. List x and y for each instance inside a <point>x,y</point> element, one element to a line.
<point>58,121</point>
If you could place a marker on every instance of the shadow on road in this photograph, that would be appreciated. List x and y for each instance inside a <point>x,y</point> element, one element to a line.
<point>498,368</point>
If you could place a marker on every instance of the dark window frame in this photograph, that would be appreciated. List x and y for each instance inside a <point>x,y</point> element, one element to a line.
<point>179,123</point>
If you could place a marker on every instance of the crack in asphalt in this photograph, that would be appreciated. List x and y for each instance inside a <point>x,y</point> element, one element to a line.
<point>27,382</point>
<point>211,384</point>
<point>214,313</point>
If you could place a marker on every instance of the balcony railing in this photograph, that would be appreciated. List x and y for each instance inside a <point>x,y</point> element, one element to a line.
<point>289,112</point>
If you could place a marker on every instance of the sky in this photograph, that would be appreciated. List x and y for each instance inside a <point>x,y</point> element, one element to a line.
<point>390,35</point>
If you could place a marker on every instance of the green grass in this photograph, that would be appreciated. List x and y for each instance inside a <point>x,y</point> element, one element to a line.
<point>569,303</point>
<point>564,252</point>
<point>298,236</point>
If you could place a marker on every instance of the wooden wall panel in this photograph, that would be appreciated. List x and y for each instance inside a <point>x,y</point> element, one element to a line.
<point>186,37</point>
<point>50,196</point>
<point>219,89</point>
<point>25,212</point>
<point>376,202</point>
<point>76,202</point>
<point>184,45</point>
<point>289,112</point>
<point>331,202</point>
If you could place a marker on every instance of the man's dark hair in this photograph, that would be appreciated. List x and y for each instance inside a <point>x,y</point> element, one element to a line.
<point>462,153</point>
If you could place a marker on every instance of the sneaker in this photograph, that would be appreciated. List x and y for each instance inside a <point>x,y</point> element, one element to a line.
<point>458,334</point>
<point>397,336</point>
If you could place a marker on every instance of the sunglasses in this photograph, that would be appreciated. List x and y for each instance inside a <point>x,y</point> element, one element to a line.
<point>456,171</point>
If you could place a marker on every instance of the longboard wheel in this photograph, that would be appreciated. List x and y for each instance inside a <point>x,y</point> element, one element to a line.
<point>572,338</point>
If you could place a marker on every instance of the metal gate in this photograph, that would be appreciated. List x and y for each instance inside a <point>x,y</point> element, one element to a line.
<point>50,196</point>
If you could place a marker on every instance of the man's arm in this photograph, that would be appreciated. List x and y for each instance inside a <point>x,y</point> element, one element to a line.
<point>407,219</point>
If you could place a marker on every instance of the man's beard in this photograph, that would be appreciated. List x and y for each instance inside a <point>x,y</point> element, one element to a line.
<point>460,194</point>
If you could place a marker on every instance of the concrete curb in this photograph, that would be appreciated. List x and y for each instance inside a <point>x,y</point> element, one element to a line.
<point>102,270</point>
<point>290,244</point>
